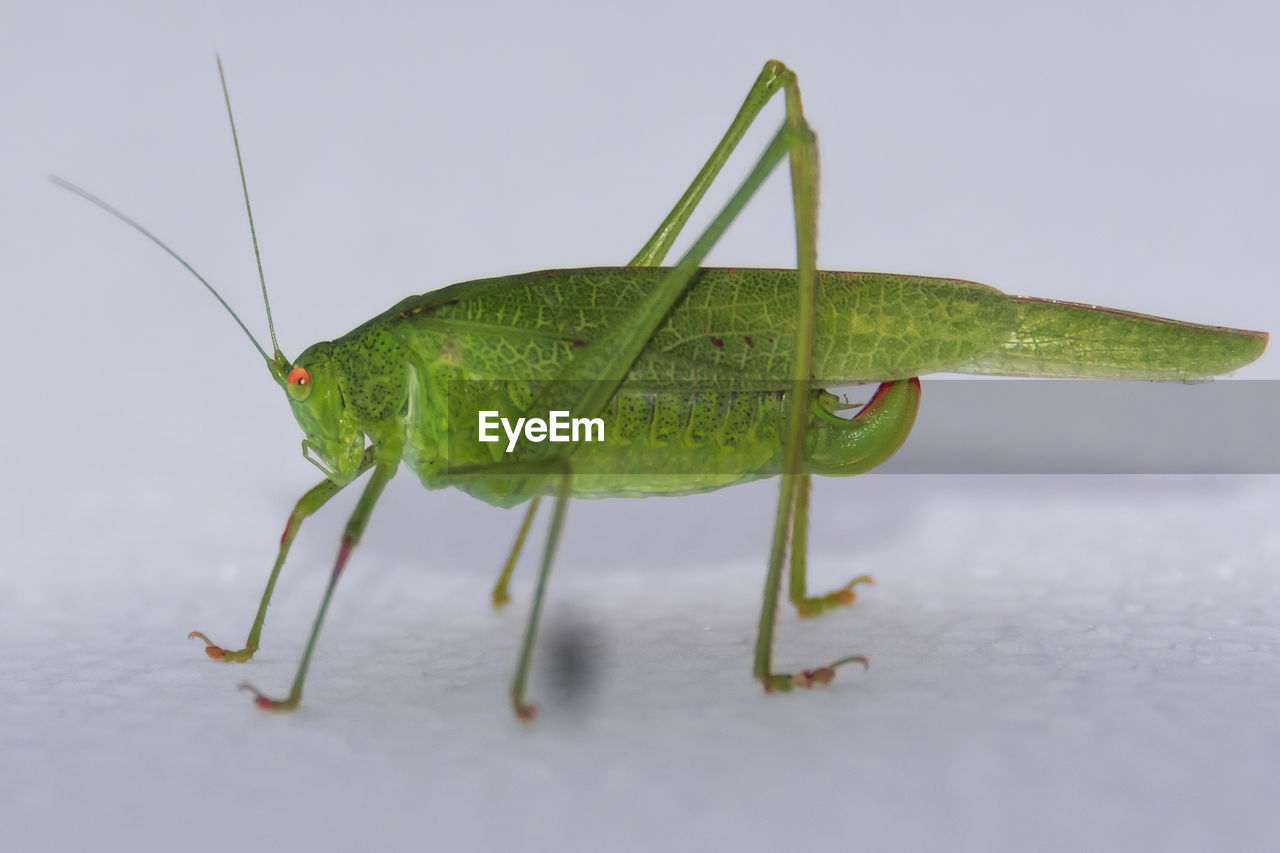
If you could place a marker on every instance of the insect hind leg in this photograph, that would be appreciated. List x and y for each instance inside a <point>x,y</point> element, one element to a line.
<point>812,606</point>
<point>768,83</point>
<point>773,78</point>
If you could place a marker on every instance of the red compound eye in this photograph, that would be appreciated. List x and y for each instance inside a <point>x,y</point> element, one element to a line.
<point>299,383</point>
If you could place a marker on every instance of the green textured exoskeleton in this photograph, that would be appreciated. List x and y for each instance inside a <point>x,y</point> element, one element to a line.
<point>702,378</point>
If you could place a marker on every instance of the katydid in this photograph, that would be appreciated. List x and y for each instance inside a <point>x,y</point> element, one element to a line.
<point>702,378</point>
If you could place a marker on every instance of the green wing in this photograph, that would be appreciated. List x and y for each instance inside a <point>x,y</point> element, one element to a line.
<point>735,329</point>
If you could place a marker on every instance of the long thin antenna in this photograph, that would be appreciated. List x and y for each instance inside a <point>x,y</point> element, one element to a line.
<point>90,197</point>
<point>244,185</point>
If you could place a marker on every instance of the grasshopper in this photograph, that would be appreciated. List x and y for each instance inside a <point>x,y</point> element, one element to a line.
<point>700,378</point>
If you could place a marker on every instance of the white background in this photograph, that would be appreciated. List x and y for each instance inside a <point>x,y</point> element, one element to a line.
<point>1055,661</point>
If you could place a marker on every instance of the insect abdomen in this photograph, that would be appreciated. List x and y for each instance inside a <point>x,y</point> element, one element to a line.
<point>673,442</point>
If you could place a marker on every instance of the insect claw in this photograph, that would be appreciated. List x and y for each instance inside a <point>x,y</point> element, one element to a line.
<point>824,675</point>
<point>266,703</point>
<point>809,678</point>
<point>815,606</point>
<point>216,652</point>
<point>213,651</point>
<point>846,594</point>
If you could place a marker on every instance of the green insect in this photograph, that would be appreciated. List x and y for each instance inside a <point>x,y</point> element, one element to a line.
<point>700,378</point>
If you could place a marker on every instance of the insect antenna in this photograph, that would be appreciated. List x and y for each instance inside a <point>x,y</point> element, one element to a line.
<point>244,185</point>
<point>93,199</point>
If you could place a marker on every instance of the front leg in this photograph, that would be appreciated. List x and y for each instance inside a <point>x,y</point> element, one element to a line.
<point>383,472</point>
<point>306,505</point>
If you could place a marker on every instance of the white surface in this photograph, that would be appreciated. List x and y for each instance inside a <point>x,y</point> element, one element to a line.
<point>1061,662</point>
<point>1055,661</point>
